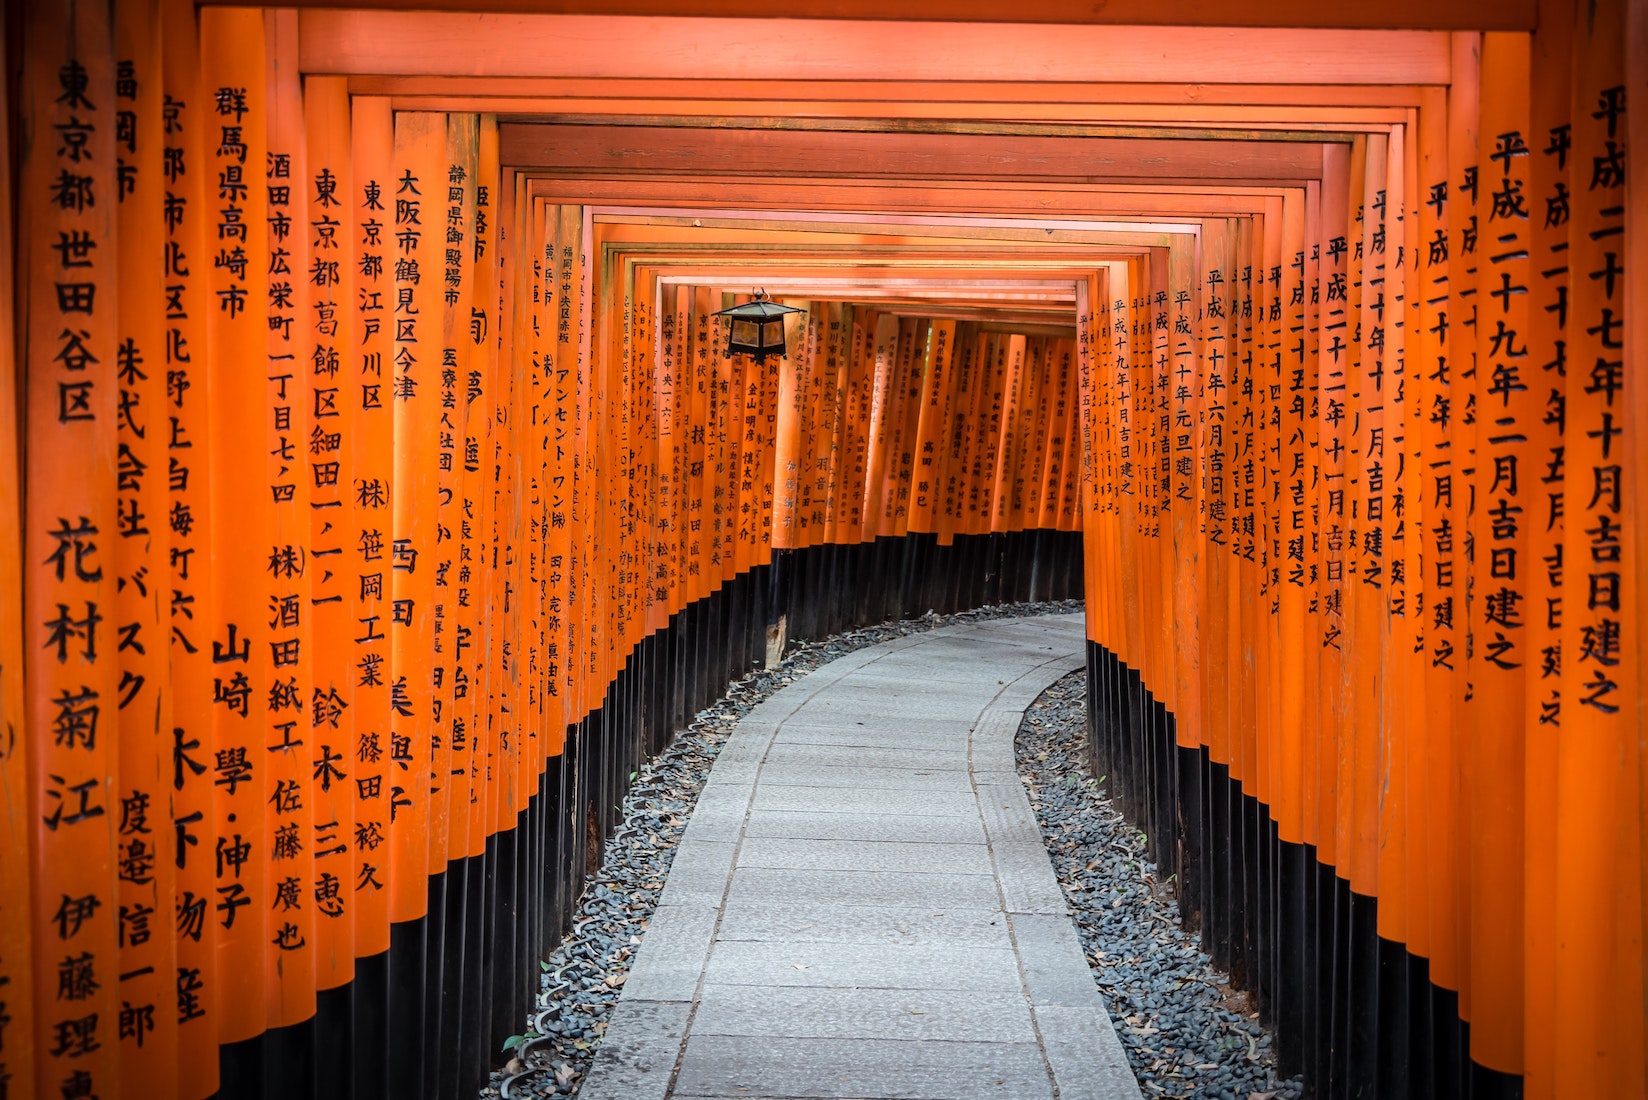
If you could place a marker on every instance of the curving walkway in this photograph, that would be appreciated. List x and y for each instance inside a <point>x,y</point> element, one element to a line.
<point>862,905</point>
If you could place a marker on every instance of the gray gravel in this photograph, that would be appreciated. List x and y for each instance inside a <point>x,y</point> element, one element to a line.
<point>581,980</point>
<point>1186,1032</point>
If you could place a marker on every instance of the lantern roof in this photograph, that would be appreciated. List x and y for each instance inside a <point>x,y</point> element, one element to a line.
<point>760,308</point>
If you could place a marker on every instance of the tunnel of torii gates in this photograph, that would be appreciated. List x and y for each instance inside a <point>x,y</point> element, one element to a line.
<point>382,493</point>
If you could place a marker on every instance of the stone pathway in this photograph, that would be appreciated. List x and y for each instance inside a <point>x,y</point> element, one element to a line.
<point>862,906</point>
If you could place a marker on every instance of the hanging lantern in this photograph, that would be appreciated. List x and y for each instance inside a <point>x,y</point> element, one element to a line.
<point>757,327</point>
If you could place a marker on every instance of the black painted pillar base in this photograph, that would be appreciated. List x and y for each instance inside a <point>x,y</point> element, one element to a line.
<point>1356,1014</point>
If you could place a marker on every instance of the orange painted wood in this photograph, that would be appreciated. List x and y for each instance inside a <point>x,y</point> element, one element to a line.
<point>832,426</point>
<point>1550,171</point>
<point>1121,199</point>
<point>668,395</point>
<point>140,557</point>
<point>1508,411</point>
<point>973,448</point>
<point>1636,77</point>
<point>454,203</point>
<point>655,151</point>
<point>1250,13</point>
<point>1384,535</point>
<point>326,188</point>
<point>556,225</point>
<point>16,911</point>
<point>1006,416</point>
<point>1405,727</point>
<point>706,339</point>
<point>966,370</point>
<point>1429,436</point>
<point>1593,987</point>
<point>70,540</point>
<point>804,102</point>
<point>291,467</point>
<point>349,42</point>
<point>1170,322</point>
<point>480,502</point>
<point>741,448</point>
<point>1446,496</point>
<point>189,475</point>
<point>827,321</point>
<point>367,375</point>
<point>414,230</point>
<point>1295,724</point>
<point>930,417</point>
<point>908,381</point>
<point>504,460</point>
<point>1019,98</point>
<point>909,368</point>
<point>1331,427</point>
<point>1352,741</point>
<point>1246,291</point>
<point>860,383</point>
<point>1215,358</point>
<point>572,325</point>
<point>1069,514</point>
<point>238,634</point>
<point>1031,476</point>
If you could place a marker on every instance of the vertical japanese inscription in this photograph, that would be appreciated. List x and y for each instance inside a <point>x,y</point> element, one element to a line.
<point>1600,569</point>
<point>408,553</point>
<point>294,471</point>
<point>71,551</point>
<point>330,443</point>
<point>364,384</point>
<point>239,635</point>
<point>186,119</point>
<point>145,874</point>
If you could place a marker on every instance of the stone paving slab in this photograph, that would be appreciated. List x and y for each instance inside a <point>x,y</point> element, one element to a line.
<point>946,674</point>
<point>879,708</point>
<point>809,824</point>
<point>855,800</point>
<point>1086,1055</point>
<point>944,736</point>
<point>866,777</point>
<point>862,905</point>
<point>673,975</point>
<point>879,757</point>
<point>816,1067</point>
<point>784,921</point>
<point>876,855</point>
<point>801,1013</point>
<point>827,888</point>
<point>862,965</point>
<point>638,1055</point>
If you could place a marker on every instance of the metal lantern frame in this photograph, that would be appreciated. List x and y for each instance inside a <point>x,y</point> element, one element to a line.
<point>757,327</point>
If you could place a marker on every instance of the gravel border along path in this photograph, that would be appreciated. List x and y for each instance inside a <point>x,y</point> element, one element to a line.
<point>1186,1032</point>
<point>581,980</point>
